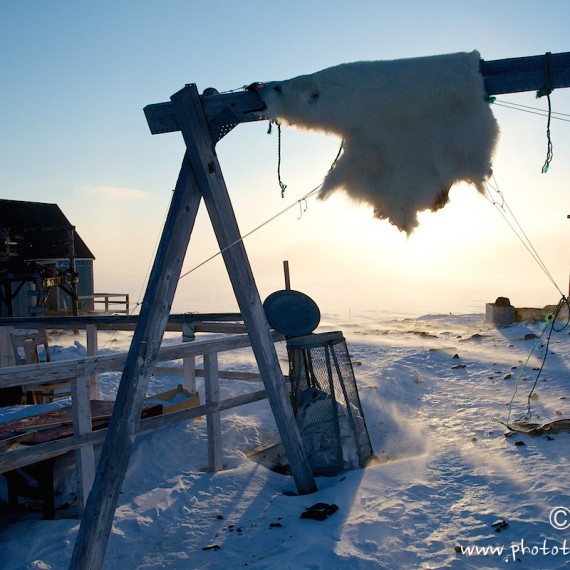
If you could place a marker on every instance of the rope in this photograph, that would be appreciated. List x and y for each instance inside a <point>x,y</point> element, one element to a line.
<point>284,186</point>
<point>274,217</point>
<point>550,320</point>
<point>545,92</point>
<point>549,152</point>
<point>300,202</point>
<point>505,210</point>
<point>341,148</point>
<point>532,110</point>
<point>281,185</point>
<point>269,130</point>
<point>519,377</point>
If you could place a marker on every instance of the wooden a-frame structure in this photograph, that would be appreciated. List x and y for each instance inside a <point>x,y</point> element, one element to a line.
<point>203,120</point>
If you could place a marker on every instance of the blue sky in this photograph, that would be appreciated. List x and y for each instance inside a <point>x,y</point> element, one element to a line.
<point>76,76</point>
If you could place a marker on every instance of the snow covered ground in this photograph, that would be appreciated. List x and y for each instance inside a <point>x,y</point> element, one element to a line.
<point>448,488</point>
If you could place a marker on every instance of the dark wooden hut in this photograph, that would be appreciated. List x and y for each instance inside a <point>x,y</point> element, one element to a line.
<point>45,266</point>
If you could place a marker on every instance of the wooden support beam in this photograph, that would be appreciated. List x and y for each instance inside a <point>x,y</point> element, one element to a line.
<point>110,322</point>
<point>200,148</point>
<point>7,357</point>
<point>82,423</point>
<point>501,76</point>
<point>213,420</point>
<point>189,373</point>
<point>532,73</point>
<point>92,350</point>
<point>228,109</point>
<point>97,519</point>
<point>287,275</point>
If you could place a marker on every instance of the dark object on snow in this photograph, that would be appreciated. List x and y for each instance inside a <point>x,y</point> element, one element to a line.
<point>556,426</point>
<point>500,525</point>
<point>319,511</point>
<point>212,547</point>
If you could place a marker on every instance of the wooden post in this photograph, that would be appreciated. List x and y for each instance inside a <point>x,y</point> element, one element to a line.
<point>7,357</point>
<point>92,349</point>
<point>188,362</point>
<point>73,268</point>
<point>287,276</point>
<point>189,373</point>
<point>200,148</point>
<point>84,456</point>
<point>97,520</point>
<point>212,388</point>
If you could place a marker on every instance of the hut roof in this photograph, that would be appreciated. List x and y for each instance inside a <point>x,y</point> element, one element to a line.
<point>41,231</point>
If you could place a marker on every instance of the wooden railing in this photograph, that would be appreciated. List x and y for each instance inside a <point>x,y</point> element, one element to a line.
<point>108,299</point>
<point>79,372</point>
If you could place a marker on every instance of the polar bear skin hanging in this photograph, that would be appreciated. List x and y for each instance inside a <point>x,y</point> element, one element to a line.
<point>411,128</point>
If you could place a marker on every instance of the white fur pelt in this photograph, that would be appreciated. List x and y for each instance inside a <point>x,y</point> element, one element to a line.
<point>411,128</point>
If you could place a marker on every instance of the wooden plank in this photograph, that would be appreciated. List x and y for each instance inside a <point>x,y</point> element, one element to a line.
<point>161,117</point>
<point>114,321</point>
<point>27,455</point>
<point>189,373</point>
<point>501,76</point>
<point>200,149</point>
<point>97,520</point>
<point>70,369</point>
<point>234,375</point>
<point>520,74</point>
<point>213,427</point>
<point>7,357</point>
<point>199,372</point>
<point>47,372</point>
<point>202,410</point>
<point>287,275</point>
<point>92,350</point>
<point>84,456</point>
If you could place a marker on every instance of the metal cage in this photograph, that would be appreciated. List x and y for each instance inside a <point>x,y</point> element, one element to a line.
<point>326,403</point>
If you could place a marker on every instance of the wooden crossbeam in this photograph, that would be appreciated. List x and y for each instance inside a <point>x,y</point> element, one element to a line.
<point>233,108</point>
<point>534,73</point>
<point>513,75</point>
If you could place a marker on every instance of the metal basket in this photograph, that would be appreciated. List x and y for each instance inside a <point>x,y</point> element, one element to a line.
<point>326,403</point>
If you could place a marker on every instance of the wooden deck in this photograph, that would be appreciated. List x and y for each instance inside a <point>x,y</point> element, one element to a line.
<point>40,438</point>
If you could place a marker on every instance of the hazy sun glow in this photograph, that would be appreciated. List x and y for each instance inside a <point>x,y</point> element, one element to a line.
<point>85,145</point>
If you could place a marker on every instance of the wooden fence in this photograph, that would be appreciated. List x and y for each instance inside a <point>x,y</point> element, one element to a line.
<point>109,300</point>
<point>82,371</point>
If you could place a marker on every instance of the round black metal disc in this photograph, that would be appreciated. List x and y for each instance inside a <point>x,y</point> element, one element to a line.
<point>292,313</point>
